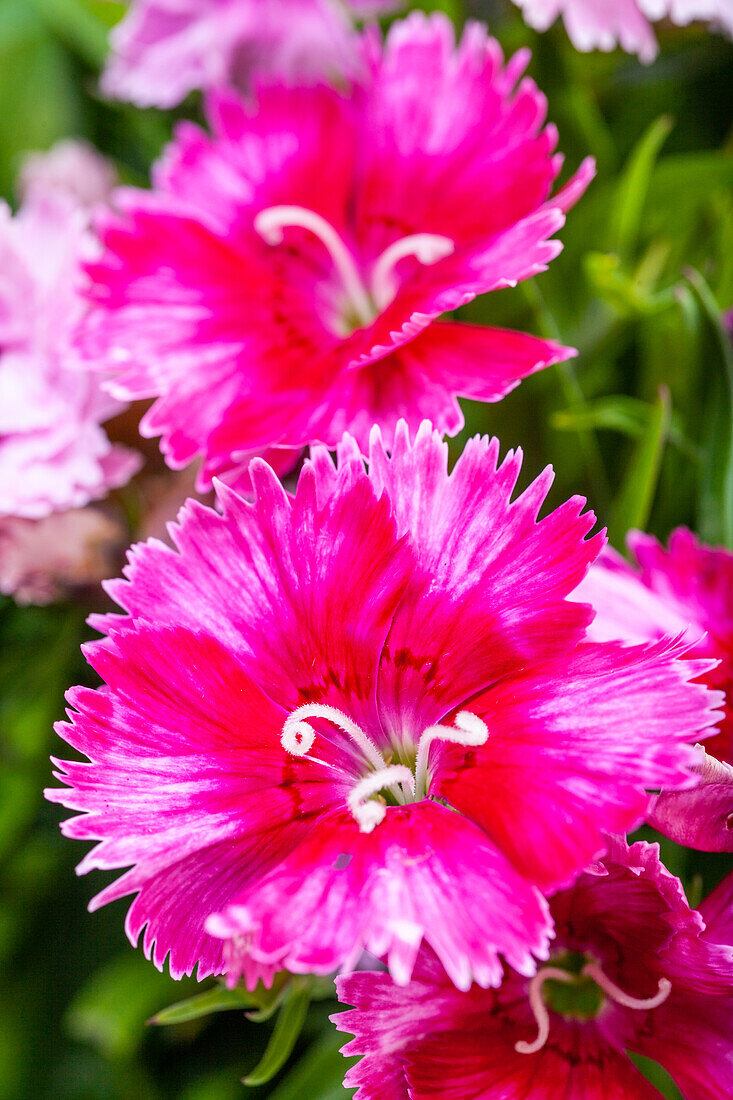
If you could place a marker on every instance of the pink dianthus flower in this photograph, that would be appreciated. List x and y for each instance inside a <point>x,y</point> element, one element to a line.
<point>605,24</point>
<point>684,589</point>
<point>54,454</point>
<point>164,49</point>
<point>365,717</point>
<point>633,968</point>
<point>280,284</point>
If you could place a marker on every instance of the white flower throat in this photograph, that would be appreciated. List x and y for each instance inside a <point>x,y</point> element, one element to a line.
<point>298,738</point>
<point>364,300</point>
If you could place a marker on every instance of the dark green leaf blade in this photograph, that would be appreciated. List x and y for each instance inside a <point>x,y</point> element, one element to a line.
<point>634,500</point>
<point>284,1036</point>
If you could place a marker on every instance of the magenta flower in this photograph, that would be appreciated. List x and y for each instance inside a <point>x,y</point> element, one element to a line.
<point>363,717</point>
<point>604,24</point>
<point>633,968</point>
<point>164,49</point>
<point>701,818</point>
<point>685,589</point>
<point>280,284</point>
<point>53,453</point>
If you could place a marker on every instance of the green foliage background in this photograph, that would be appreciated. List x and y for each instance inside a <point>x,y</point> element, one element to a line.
<point>641,422</point>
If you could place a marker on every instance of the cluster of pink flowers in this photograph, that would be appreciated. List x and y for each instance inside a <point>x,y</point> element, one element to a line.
<point>54,455</point>
<point>392,711</point>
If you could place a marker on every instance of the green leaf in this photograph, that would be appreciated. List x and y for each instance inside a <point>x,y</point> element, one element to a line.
<point>619,413</point>
<point>36,78</point>
<point>631,192</point>
<point>219,999</point>
<point>629,293</point>
<point>633,503</point>
<point>319,1073</point>
<point>284,1035</point>
<point>657,1076</point>
<point>716,491</point>
<point>76,24</point>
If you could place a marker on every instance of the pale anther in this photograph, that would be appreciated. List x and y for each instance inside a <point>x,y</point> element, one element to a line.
<point>269,223</point>
<point>593,970</point>
<point>367,812</point>
<point>468,730</point>
<point>539,1008</point>
<point>298,735</point>
<point>428,248</point>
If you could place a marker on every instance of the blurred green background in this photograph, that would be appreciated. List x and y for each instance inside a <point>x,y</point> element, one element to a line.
<point>641,422</point>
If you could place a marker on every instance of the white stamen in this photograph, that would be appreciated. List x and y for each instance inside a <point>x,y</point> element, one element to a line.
<point>469,730</point>
<point>590,970</point>
<point>539,1008</point>
<point>428,248</point>
<point>594,971</point>
<point>369,813</point>
<point>269,223</point>
<point>298,735</point>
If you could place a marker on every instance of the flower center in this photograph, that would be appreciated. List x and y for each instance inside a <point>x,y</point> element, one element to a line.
<point>578,989</point>
<point>363,300</point>
<point>365,800</point>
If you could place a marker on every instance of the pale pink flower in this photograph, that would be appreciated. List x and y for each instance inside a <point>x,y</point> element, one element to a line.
<point>364,717</point>
<point>164,49</point>
<point>70,168</point>
<point>605,24</point>
<point>281,283</point>
<point>632,968</point>
<point>42,560</point>
<point>54,454</point>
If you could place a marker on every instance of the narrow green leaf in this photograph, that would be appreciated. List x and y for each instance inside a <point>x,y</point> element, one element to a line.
<point>78,26</point>
<point>269,1005</point>
<point>619,413</point>
<point>633,187</point>
<point>319,1073</point>
<point>716,492</point>
<point>284,1036</point>
<point>633,502</point>
<point>219,999</point>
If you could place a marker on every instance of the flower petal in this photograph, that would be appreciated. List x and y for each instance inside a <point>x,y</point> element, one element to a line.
<point>703,817</point>
<point>572,746</point>
<point>423,873</point>
<point>490,594</point>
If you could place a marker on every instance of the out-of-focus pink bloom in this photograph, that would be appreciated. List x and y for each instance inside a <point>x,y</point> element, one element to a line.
<point>703,817</point>
<point>605,24</point>
<point>633,968</point>
<point>281,283</point>
<point>71,168</point>
<point>261,757</point>
<point>685,589</point>
<point>53,453</point>
<point>42,560</point>
<point>164,49</point>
